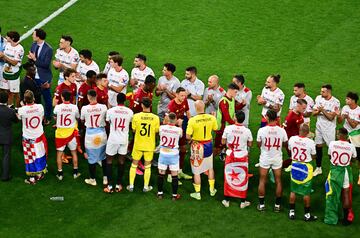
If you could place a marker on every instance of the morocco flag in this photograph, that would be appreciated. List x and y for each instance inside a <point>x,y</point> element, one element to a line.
<point>236,174</point>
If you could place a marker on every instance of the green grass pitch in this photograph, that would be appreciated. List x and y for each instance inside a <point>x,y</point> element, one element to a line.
<point>314,42</point>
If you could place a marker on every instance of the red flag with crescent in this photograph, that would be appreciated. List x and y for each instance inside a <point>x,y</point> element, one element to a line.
<point>236,174</point>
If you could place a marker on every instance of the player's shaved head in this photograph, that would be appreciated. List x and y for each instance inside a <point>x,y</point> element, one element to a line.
<point>304,130</point>
<point>213,81</point>
<point>199,106</point>
<point>172,118</point>
<point>91,95</point>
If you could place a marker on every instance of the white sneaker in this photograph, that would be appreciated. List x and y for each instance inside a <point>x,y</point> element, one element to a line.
<point>90,181</point>
<point>288,169</point>
<point>244,204</point>
<point>257,165</point>
<point>105,180</point>
<point>147,189</point>
<point>99,163</point>
<point>225,203</point>
<point>317,171</point>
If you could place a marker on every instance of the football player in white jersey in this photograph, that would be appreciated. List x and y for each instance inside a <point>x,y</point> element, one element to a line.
<point>33,138</point>
<point>118,79</point>
<point>350,115</point>
<point>299,93</point>
<point>108,66</point>
<point>66,133</point>
<point>170,135</point>
<point>271,97</point>
<point>326,109</point>
<point>95,137</point>
<point>237,137</point>
<point>243,97</point>
<point>86,63</point>
<point>12,56</point>
<point>139,72</point>
<point>339,181</point>
<point>119,118</point>
<point>270,140</point>
<point>302,153</point>
<point>65,57</point>
<point>194,88</point>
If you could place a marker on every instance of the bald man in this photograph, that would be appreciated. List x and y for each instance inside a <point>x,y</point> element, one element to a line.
<point>212,95</point>
<point>199,133</point>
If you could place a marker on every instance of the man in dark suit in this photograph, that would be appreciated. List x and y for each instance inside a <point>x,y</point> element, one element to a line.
<point>41,54</point>
<point>8,117</point>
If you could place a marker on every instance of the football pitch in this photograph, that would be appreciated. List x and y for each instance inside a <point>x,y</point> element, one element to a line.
<point>314,42</point>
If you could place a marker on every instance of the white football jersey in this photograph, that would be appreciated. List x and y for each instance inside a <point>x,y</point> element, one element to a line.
<point>195,88</point>
<point>14,53</point>
<point>272,98</point>
<point>302,148</point>
<point>117,79</point>
<point>94,115</point>
<point>237,137</point>
<point>140,75</point>
<point>83,68</point>
<point>272,139</point>
<point>353,114</point>
<point>119,118</point>
<point>66,59</point>
<point>169,138</point>
<point>31,117</point>
<point>107,68</point>
<point>66,115</point>
<point>309,107</point>
<point>322,123</point>
<point>341,152</point>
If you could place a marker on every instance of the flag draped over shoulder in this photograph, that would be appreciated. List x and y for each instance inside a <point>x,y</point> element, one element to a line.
<point>35,154</point>
<point>95,144</point>
<point>201,158</point>
<point>354,137</point>
<point>236,174</point>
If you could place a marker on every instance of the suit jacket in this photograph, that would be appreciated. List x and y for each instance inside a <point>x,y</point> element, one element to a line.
<point>7,117</point>
<point>43,62</point>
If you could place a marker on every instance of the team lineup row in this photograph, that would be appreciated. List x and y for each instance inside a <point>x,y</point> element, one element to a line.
<point>187,105</point>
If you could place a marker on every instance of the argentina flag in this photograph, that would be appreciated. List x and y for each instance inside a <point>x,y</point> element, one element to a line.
<point>95,144</point>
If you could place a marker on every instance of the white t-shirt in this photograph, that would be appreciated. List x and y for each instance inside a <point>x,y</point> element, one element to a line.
<point>119,118</point>
<point>66,115</point>
<point>302,148</point>
<point>322,123</point>
<point>272,98</point>
<point>94,115</point>
<point>171,84</point>
<point>272,139</point>
<point>237,137</point>
<point>13,53</point>
<point>66,59</point>
<point>341,152</point>
<point>309,107</point>
<point>140,75</point>
<point>32,116</point>
<point>169,139</point>
<point>117,79</point>
<point>217,94</point>
<point>246,94</point>
<point>83,68</point>
<point>196,88</point>
<point>354,114</point>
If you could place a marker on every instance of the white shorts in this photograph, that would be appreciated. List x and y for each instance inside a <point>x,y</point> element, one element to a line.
<point>271,163</point>
<point>14,85</point>
<point>113,149</point>
<point>71,145</point>
<point>346,183</point>
<point>4,84</point>
<point>170,161</point>
<point>322,137</point>
<point>112,98</point>
<point>172,167</point>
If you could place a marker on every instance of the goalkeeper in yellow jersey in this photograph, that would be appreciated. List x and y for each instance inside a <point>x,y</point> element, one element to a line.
<point>145,126</point>
<point>199,133</point>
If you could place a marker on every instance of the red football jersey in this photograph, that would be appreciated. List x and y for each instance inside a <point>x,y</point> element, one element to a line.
<point>179,109</point>
<point>102,95</point>
<point>292,123</point>
<point>83,90</point>
<point>63,87</point>
<point>139,95</point>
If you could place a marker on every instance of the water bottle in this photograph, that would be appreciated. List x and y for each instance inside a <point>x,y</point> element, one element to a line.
<point>59,198</point>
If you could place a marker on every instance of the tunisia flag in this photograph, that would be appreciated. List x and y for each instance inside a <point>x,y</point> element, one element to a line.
<point>236,174</point>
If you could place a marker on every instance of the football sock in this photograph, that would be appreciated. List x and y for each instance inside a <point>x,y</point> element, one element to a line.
<point>242,200</point>
<point>346,213</point>
<point>60,172</point>
<point>120,173</point>
<point>160,182</point>
<point>109,173</point>
<point>132,174</point>
<point>278,201</point>
<point>92,170</point>
<point>212,184</point>
<point>182,159</point>
<point>75,171</point>
<point>197,187</point>
<point>306,210</point>
<point>319,155</point>
<point>292,206</point>
<point>175,184</point>
<point>147,174</point>
<point>103,165</point>
<point>262,200</point>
